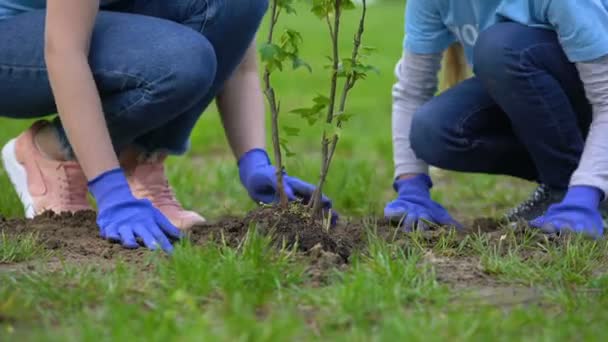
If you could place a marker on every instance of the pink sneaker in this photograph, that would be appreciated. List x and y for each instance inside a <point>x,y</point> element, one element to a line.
<point>41,183</point>
<point>148,180</point>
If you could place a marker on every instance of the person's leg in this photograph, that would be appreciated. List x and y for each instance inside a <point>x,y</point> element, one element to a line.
<point>464,130</point>
<point>148,70</point>
<point>527,73</point>
<point>230,26</point>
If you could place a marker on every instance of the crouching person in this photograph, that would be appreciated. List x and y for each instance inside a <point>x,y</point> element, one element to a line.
<point>536,107</point>
<point>129,79</point>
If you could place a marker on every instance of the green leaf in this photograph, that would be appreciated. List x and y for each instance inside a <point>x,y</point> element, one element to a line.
<point>287,5</point>
<point>322,8</point>
<point>344,117</point>
<point>347,5</point>
<point>291,131</point>
<point>269,52</point>
<point>321,100</point>
<point>275,64</point>
<point>364,68</point>
<point>368,49</point>
<point>287,152</point>
<point>311,115</point>
<point>290,41</point>
<point>298,62</point>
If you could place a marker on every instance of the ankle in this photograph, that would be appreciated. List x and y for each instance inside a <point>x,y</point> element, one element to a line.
<point>48,144</point>
<point>129,158</point>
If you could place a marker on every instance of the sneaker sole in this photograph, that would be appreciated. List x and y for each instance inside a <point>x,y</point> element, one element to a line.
<point>18,176</point>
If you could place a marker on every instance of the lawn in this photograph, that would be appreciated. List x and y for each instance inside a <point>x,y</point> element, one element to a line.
<point>491,283</point>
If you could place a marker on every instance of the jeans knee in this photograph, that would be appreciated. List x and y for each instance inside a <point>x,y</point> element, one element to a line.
<point>190,66</point>
<point>194,68</point>
<point>425,138</point>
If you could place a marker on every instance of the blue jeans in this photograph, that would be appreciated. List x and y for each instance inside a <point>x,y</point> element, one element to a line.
<point>524,113</point>
<point>157,64</point>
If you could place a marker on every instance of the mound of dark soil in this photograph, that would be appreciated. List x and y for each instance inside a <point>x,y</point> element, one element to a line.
<point>75,238</point>
<point>77,235</point>
<point>289,228</point>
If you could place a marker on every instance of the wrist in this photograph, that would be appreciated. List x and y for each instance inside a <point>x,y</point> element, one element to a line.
<point>109,185</point>
<point>420,181</point>
<point>251,160</point>
<point>587,196</point>
<point>407,176</point>
<point>254,156</point>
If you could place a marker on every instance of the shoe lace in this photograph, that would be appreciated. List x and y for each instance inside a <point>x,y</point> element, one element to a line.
<point>73,185</point>
<point>154,183</point>
<point>539,195</point>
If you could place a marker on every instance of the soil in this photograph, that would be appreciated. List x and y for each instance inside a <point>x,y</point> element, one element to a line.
<point>74,238</point>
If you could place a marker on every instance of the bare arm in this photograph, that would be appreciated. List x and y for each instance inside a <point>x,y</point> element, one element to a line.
<point>69,24</point>
<point>241,106</point>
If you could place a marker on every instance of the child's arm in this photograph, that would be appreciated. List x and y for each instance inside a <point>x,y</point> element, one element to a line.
<point>416,84</point>
<point>593,167</point>
<point>69,24</point>
<point>241,106</point>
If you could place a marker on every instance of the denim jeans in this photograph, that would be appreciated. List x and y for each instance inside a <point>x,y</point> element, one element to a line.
<point>524,113</point>
<point>157,65</point>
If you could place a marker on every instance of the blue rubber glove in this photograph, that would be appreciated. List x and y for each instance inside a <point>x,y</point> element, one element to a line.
<point>258,176</point>
<point>414,205</point>
<point>578,212</point>
<point>122,217</point>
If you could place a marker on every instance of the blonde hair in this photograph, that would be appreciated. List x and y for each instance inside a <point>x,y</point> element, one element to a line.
<point>454,66</point>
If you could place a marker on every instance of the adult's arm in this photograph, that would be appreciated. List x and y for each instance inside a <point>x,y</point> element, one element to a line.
<point>241,106</point>
<point>69,25</point>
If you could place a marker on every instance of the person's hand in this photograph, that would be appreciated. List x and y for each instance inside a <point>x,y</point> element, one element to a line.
<point>578,212</point>
<point>123,218</point>
<point>413,205</point>
<point>258,176</point>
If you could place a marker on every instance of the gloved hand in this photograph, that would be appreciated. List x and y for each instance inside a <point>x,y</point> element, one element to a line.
<point>258,176</point>
<point>414,204</point>
<point>578,212</point>
<point>122,217</point>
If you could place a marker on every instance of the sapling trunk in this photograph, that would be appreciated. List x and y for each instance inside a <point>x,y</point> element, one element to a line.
<point>329,147</point>
<point>274,110</point>
<point>334,32</point>
<point>351,78</point>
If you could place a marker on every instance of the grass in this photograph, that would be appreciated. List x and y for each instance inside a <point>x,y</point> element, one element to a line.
<point>258,293</point>
<point>19,248</point>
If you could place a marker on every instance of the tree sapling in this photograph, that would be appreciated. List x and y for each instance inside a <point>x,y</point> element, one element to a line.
<point>351,69</point>
<point>274,55</point>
